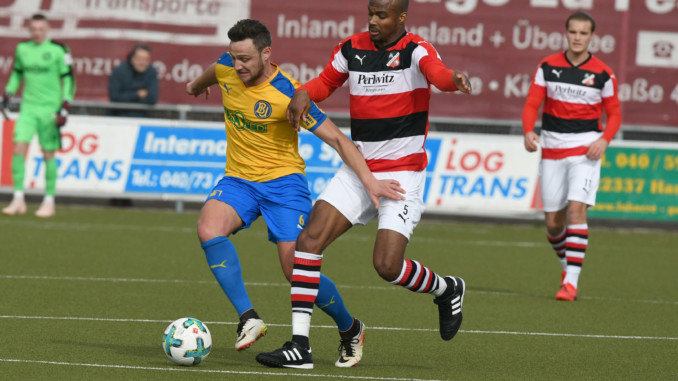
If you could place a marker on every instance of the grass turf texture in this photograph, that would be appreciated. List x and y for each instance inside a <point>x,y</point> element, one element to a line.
<point>140,264</point>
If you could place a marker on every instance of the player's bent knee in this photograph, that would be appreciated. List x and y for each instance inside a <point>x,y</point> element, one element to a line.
<point>207,231</point>
<point>388,270</point>
<point>553,226</point>
<point>576,216</point>
<point>310,241</point>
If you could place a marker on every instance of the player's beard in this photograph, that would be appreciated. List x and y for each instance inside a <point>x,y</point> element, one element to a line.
<point>256,73</point>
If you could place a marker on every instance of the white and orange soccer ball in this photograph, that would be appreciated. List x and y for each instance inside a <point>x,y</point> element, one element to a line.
<point>187,341</point>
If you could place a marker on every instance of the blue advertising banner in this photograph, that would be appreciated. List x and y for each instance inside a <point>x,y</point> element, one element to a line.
<point>180,160</point>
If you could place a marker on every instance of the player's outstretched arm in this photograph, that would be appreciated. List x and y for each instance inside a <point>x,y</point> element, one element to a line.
<point>203,82</point>
<point>462,82</point>
<point>330,134</point>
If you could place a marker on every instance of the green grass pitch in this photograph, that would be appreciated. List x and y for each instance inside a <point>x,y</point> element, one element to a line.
<point>87,295</point>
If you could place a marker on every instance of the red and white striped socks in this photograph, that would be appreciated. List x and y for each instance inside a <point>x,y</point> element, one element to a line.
<point>576,243</point>
<point>418,278</point>
<point>558,244</point>
<point>305,284</point>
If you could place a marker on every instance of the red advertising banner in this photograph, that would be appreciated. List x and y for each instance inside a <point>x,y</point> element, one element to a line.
<point>499,43</point>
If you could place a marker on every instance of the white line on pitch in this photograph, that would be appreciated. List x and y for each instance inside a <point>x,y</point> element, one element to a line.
<point>266,284</point>
<point>126,320</point>
<point>134,367</point>
<point>156,228</point>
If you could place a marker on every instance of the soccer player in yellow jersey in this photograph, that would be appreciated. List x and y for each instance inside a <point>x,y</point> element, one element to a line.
<point>265,176</point>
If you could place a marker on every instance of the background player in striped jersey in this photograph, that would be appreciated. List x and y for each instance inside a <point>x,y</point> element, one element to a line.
<point>265,174</point>
<point>575,87</point>
<point>389,72</point>
<point>45,68</point>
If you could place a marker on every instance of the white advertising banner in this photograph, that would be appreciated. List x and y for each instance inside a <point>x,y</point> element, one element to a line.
<point>469,174</point>
<point>481,174</point>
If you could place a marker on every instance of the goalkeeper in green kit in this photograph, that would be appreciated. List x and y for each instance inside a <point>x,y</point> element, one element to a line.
<point>45,68</point>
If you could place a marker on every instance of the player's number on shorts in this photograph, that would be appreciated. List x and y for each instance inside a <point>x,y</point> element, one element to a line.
<point>588,183</point>
<point>403,214</point>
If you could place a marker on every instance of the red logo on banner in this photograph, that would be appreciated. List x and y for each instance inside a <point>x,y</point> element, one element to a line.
<point>6,152</point>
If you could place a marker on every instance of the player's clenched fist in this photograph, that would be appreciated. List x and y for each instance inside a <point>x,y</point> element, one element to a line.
<point>531,141</point>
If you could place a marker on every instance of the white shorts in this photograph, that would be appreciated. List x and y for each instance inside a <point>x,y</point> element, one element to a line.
<point>348,195</point>
<point>573,178</point>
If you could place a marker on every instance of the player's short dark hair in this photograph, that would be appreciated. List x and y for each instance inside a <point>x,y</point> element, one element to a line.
<point>136,48</point>
<point>254,29</point>
<point>581,16</point>
<point>403,5</point>
<point>38,17</point>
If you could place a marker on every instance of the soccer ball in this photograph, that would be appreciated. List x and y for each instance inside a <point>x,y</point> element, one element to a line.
<point>187,341</point>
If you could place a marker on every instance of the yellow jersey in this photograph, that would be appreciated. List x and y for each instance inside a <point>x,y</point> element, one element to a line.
<point>261,143</point>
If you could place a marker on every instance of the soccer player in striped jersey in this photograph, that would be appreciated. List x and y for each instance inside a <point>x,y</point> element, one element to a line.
<point>575,87</point>
<point>389,72</point>
<point>265,173</point>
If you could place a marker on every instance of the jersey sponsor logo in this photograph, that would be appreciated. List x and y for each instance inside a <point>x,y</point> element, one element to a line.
<point>375,79</point>
<point>360,58</point>
<point>589,79</point>
<point>262,109</point>
<point>242,123</point>
<point>393,60</point>
<point>36,69</point>
<point>557,72</point>
<point>568,90</point>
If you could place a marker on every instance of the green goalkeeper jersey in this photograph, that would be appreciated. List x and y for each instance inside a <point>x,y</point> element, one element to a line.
<point>46,70</point>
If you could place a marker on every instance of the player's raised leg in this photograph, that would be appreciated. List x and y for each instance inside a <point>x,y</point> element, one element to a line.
<point>391,264</point>
<point>217,221</point>
<point>397,220</point>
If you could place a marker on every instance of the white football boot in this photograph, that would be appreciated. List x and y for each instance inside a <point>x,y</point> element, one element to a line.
<point>249,331</point>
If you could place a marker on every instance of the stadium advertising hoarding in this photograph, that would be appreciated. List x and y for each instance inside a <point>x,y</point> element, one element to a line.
<point>467,174</point>
<point>499,42</point>
<point>129,157</point>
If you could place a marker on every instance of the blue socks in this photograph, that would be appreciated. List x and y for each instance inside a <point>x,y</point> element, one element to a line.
<point>330,301</point>
<point>223,261</point>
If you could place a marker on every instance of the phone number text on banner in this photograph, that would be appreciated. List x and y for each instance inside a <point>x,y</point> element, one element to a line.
<point>638,183</point>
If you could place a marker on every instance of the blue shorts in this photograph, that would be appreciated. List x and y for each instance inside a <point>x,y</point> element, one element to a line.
<point>284,203</point>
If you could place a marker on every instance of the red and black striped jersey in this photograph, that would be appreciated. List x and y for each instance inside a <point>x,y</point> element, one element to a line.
<point>389,97</point>
<point>574,100</point>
